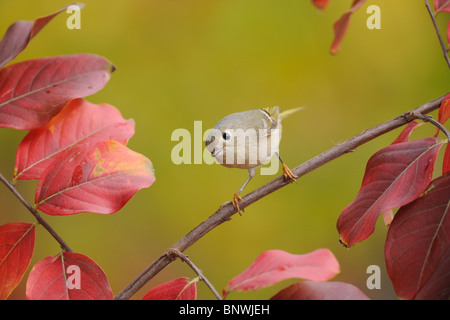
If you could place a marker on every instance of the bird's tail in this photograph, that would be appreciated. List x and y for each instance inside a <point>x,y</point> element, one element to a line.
<point>287,113</point>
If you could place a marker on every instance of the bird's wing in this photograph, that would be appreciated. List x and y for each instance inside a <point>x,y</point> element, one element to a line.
<point>270,120</point>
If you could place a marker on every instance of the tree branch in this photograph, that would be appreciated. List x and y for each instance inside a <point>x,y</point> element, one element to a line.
<point>36,214</point>
<point>176,253</point>
<point>227,209</point>
<point>444,49</point>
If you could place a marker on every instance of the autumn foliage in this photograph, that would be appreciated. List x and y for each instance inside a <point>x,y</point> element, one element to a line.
<point>78,152</point>
<point>400,176</point>
<point>75,149</point>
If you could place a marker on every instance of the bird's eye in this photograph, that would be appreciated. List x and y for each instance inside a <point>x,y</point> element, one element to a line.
<point>226,136</point>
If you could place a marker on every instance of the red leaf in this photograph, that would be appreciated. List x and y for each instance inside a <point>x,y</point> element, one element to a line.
<point>20,33</point>
<point>340,26</point>
<point>16,250</point>
<point>395,176</point>
<point>309,290</point>
<point>68,276</point>
<point>178,289</point>
<point>441,6</point>
<point>406,133</point>
<point>417,247</point>
<point>448,36</point>
<point>33,91</point>
<point>446,164</point>
<point>388,216</point>
<point>444,110</point>
<point>80,122</point>
<point>99,177</point>
<point>320,4</point>
<point>273,266</point>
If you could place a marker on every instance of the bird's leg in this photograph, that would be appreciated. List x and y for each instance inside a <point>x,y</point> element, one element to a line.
<point>237,197</point>
<point>287,173</point>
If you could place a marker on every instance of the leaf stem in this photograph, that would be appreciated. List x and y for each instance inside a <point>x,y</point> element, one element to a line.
<point>36,214</point>
<point>176,253</point>
<point>444,49</point>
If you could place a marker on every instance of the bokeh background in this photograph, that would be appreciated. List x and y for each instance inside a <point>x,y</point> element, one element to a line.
<point>184,61</point>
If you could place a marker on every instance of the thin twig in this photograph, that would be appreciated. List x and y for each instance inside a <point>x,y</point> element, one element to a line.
<point>177,253</point>
<point>444,49</point>
<point>227,209</point>
<point>434,122</point>
<point>36,214</point>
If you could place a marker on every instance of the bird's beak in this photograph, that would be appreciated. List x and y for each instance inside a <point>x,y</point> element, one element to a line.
<point>215,152</point>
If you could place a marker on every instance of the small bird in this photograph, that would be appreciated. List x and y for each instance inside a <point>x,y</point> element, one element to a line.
<point>247,140</point>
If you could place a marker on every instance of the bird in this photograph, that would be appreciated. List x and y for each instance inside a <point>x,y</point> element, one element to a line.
<point>247,140</point>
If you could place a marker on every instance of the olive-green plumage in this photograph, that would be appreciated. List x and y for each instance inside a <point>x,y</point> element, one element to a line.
<point>247,140</point>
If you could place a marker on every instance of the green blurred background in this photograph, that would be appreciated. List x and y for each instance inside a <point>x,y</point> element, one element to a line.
<point>184,61</point>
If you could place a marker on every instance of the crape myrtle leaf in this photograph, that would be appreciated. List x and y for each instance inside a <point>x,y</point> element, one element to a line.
<point>406,132</point>
<point>273,266</point>
<point>68,276</point>
<point>448,36</point>
<point>178,289</point>
<point>311,290</point>
<point>417,249</point>
<point>340,26</point>
<point>443,116</point>
<point>444,111</point>
<point>33,91</point>
<point>388,216</point>
<point>320,4</point>
<point>20,33</point>
<point>446,164</point>
<point>16,250</point>
<point>441,6</point>
<point>395,176</point>
<point>79,122</point>
<point>100,177</point>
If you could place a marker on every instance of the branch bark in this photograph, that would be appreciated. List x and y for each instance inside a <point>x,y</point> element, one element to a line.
<point>226,210</point>
<point>441,42</point>
<point>36,214</point>
<point>177,254</point>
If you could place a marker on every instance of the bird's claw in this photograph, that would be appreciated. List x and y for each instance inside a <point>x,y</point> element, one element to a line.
<point>288,175</point>
<point>236,200</point>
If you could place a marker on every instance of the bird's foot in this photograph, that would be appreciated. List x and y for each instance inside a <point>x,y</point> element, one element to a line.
<point>288,175</point>
<point>236,200</point>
